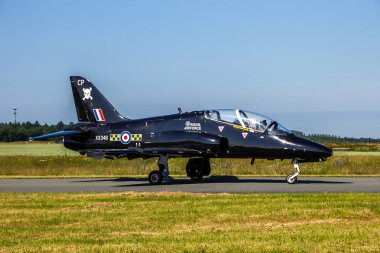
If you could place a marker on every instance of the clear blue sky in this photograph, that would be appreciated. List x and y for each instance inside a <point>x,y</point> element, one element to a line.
<point>313,65</point>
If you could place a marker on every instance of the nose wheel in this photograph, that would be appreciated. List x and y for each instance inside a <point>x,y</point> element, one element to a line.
<point>292,178</point>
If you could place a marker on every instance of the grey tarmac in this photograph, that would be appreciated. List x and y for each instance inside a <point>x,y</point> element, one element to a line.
<point>214,184</point>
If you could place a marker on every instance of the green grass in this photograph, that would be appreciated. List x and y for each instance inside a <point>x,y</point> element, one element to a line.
<point>356,153</point>
<point>169,222</point>
<point>34,149</point>
<point>354,146</point>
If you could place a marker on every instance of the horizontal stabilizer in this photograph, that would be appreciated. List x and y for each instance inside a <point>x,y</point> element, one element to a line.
<point>53,135</point>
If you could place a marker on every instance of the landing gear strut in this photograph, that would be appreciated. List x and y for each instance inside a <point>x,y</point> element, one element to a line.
<point>157,176</point>
<point>292,178</point>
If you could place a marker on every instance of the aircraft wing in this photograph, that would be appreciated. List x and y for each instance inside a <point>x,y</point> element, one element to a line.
<point>140,152</point>
<point>172,151</point>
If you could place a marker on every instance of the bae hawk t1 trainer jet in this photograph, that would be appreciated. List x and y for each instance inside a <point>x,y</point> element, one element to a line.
<point>102,132</point>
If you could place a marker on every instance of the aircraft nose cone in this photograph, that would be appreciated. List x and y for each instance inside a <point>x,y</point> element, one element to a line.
<point>320,150</point>
<point>325,151</point>
<point>312,149</point>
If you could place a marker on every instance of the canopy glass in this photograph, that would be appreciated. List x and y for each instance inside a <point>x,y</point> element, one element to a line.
<point>247,119</point>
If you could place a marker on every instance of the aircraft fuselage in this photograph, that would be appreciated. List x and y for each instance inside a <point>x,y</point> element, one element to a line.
<point>192,135</point>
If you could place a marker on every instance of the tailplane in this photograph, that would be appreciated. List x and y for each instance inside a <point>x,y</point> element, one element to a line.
<point>91,105</point>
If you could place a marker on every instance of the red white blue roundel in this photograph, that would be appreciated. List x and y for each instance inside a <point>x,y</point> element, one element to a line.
<point>125,137</point>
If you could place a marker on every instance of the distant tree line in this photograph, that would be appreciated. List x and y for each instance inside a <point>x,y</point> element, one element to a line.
<point>22,131</point>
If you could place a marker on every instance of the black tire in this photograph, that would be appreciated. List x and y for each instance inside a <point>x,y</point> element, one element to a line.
<point>194,167</point>
<point>206,167</point>
<point>291,181</point>
<point>155,177</point>
<point>196,178</point>
<point>198,166</point>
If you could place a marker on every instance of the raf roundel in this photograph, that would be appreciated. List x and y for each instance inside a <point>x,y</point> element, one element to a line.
<point>125,137</point>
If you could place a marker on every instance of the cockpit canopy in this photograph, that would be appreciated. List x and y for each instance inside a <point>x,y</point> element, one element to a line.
<point>247,119</point>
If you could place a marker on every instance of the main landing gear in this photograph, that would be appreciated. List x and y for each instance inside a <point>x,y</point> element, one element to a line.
<point>196,168</point>
<point>157,176</point>
<point>292,178</point>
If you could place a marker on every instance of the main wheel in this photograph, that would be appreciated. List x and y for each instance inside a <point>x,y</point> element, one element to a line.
<point>196,168</point>
<point>291,180</point>
<point>155,177</point>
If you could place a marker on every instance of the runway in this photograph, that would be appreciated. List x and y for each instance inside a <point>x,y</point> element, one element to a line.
<point>225,184</point>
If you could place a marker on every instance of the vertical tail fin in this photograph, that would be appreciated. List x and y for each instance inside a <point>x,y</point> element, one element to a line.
<point>91,105</point>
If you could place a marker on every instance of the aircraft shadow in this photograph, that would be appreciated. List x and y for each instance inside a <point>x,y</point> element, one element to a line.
<point>120,179</point>
<point>214,179</point>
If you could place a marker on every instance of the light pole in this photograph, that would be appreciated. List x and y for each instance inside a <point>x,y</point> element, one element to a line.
<point>15,114</point>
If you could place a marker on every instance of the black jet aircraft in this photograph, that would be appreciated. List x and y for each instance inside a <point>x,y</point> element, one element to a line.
<point>102,132</point>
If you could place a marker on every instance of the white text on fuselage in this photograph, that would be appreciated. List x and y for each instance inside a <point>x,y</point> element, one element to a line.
<point>189,126</point>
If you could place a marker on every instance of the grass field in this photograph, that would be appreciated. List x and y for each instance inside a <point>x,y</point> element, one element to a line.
<point>354,146</point>
<point>158,222</point>
<point>179,222</point>
<point>41,159</point>
<point>34,149</point>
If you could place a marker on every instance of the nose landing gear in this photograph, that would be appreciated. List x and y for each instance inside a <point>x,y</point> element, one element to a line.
<point>292,178</point>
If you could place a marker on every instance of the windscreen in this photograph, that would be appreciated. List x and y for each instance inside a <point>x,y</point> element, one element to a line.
<point>278,129</point>
<point>255,121</point>
<point>252,120</point>
<point>261,123</point>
